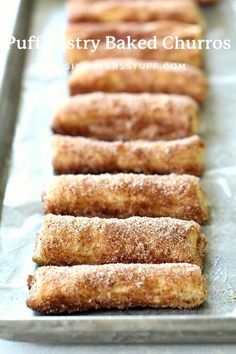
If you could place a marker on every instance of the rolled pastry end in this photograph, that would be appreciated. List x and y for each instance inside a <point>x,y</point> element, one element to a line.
<point>78,288</point>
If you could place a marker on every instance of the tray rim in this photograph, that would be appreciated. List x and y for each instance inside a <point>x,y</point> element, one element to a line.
<point>10,84</point>
<point>135,329</point>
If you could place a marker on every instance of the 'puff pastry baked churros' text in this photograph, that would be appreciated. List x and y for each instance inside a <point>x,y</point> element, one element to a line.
<point>161,40</point>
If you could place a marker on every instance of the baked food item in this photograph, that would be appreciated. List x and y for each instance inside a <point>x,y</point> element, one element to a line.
<point>70,289</point>
<point>136,76</point>
<point>123,195</point>
<point>148,41</point>
<point>68,240</point>
<point>84,155</point>
<point>126,116</point>
<point>133,11</point>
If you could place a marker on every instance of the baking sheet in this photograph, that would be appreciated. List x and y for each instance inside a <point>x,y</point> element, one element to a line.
<point>44,86</point>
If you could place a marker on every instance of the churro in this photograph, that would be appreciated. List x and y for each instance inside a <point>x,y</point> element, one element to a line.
<point>123,195</point>
<point>70,289</point>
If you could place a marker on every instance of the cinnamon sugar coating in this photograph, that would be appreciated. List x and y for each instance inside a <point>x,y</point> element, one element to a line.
<point>170,30</point>
<point>134,11</point>
<point>201,2</point>
<point>70,289</point>
<point>68,240</point>
<point>123,195</point>
<point>83,155</point>
<point>132,75</point>
<point>127,116</point>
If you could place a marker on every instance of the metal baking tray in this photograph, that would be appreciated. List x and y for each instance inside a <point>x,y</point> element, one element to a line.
<point>44,86</point>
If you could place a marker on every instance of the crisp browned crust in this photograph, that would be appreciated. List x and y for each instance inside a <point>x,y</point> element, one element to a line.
<point>134,11</point>
<point>83,155</point>
<point>77,288</point>
<point>123,195</point>
<point>66,240</point>
<point>130,75</point>
<point>127,116</point>
<point>137,31</point>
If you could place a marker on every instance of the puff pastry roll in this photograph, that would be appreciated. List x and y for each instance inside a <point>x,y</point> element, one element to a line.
<point>136,76</point>
<point>84,155</point>
<point>125,116</point>
<point>166,49</point>
<point>68,240</point>
<point>134,11</point>
<point>124,195</point>
<point>70,289</point>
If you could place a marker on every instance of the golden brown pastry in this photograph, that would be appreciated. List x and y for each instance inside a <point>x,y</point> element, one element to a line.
<point>68,240</point>
<point>84,155</point>
<point>123,195</point>
<point>125,116</point>
<point>162,34</point>
<point>136,76</point>
<point>70,289</point>
<point>133,11</point>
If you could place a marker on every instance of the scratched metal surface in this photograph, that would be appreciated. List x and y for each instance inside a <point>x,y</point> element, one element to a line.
<point>43,87</point>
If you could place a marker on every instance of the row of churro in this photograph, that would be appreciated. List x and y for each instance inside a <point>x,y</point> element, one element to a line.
<point>122,220</point>
<point>140,242</point>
